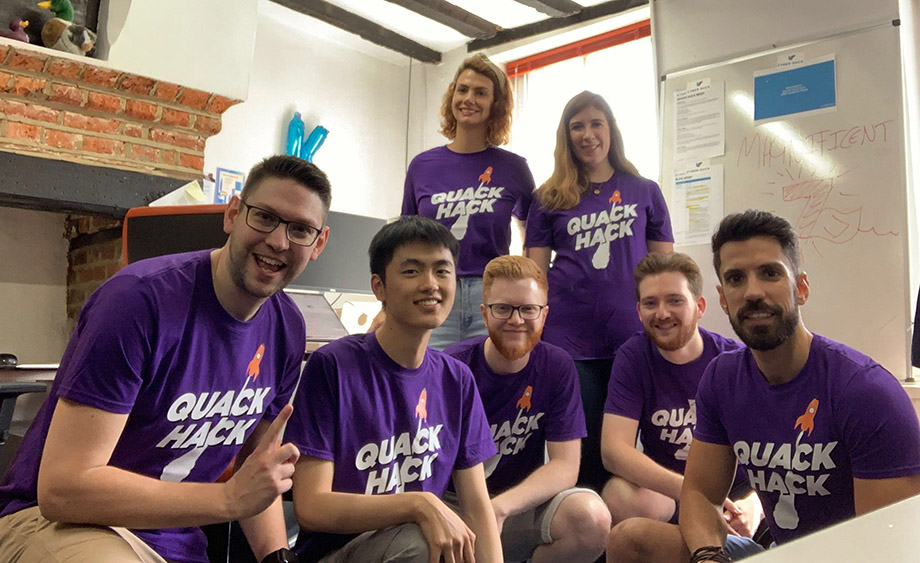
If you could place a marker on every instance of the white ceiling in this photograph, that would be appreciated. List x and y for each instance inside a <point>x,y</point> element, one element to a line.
<point>504,13</point>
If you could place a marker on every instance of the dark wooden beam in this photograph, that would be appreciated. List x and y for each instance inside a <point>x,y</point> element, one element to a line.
<point>445,13</point>
<point>55,185</point>
<point>363,28</point>
<point>553,8</point>
<point>586,14</point>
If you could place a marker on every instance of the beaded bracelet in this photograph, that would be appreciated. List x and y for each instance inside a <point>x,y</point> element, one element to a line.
<point>710,553</point>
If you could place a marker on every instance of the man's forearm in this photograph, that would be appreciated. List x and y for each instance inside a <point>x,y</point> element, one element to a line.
<point>540,486</point>
<point>349,513</point>
<point>639,469</point>
<point>481,520</point>
<point>109,496</point>
<point>266,531</point>
<point>701,522</point>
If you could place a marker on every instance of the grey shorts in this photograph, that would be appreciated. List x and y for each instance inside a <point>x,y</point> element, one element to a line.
<point>525,532</point>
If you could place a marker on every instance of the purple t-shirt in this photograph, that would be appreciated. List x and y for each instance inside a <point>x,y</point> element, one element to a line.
<point>474,195</point>
<point>154,342</point>
<point>388,429</point>
<point>804,441</point>
<point>526,409</point>
<point>598,243</point>
<point>646,387</point>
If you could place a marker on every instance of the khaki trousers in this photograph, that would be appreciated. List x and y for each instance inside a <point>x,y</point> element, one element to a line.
<point>28,537</point>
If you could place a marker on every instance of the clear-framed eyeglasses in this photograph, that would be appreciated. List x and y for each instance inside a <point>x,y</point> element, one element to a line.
<point>265,221</point>
<point>503,311</point>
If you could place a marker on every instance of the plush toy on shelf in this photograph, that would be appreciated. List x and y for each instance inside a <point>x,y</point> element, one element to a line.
<point>17,30</point>
<point>62,9</point>
<point>61,33</point>
<point>65,36</point>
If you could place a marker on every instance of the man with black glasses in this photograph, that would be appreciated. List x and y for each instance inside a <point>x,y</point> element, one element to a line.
<point>530,393</point>
<point>177,365</point>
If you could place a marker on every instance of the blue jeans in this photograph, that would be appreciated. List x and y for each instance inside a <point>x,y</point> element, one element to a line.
<point>739,547</point>
<point>465,318</point>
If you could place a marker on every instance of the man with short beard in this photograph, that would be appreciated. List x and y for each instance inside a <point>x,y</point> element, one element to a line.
<point>530,393</point>
<point>178,364</point>
<point>652,388</point>
<point>824,432</point>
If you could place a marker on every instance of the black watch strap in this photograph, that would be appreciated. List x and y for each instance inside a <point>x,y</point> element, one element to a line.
<point>282,555</point>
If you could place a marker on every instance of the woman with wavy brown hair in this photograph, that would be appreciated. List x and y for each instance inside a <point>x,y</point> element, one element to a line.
<point>600,217</point>
<point>471,186</point>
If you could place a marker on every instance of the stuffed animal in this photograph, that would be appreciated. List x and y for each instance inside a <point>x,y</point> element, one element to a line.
<point>62,8</point>
<point>65,36</point>
<point>17,30</point>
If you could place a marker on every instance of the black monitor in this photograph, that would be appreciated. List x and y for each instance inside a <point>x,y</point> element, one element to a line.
<point>343,265</point>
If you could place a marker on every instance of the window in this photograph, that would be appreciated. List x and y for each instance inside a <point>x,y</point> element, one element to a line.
<point>623,74</point>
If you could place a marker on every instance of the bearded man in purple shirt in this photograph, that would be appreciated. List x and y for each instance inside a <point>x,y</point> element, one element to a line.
<point>824,432</point>
<point>177,364</point>
<point>530,393</point>
<point>652,392</point>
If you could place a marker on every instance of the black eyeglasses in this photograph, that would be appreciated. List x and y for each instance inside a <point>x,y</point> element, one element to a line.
<point>265,221</point>
<point>503,311</point>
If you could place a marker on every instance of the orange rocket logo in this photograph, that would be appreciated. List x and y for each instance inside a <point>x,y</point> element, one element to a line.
<point>524,402</point>
<point>420,409</point>
<point>253,369</point>
<point>807,421</point>
<point>615,198</point>
<point>486,176</point>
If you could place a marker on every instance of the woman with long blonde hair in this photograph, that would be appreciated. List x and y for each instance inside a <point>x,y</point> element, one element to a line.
<point>600,217</point>
<point>471,186</point>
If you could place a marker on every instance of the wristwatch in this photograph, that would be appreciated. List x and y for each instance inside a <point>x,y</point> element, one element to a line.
<point>282,555</point>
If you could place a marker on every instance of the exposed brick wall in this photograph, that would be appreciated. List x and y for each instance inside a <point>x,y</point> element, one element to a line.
<point>95,255</point>
<point>74,110</point>
<point>59,108</point>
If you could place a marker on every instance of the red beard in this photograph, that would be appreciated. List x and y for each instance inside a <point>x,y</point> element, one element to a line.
<point>514,351</point>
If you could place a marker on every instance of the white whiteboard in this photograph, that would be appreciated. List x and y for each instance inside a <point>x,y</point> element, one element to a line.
<point>844,194</point>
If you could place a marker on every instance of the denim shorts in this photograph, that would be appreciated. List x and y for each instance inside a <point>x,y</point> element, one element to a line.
<point>739,547</point>
<point>465,319</point>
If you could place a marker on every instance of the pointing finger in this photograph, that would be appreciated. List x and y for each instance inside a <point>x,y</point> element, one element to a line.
<point>273,436</point>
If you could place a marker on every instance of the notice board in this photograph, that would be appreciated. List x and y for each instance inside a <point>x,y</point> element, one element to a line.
<point>835,169</point>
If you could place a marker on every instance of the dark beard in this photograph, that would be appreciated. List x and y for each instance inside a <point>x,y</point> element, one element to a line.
<point>765,338</point>
<point>514,352</point>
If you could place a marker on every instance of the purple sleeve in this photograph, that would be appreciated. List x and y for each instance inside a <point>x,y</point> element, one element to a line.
<point>409,204</point>
<point>567,420</point>
<point>659,222</point>
<point>624,390</point>
<point>709,427</point>
<point>287,382</point>
<point>107,367</point>
<point>476,445</point>
<point>522,205</point>
<point>880,428</point>
<point>313,424</point>
<point>539,227</point>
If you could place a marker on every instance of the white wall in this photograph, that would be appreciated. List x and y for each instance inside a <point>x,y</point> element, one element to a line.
<point>358,92</point>
<point>429,82</point>
<point>690,34</point>
<point>205,44</point>
<point>33,292</point>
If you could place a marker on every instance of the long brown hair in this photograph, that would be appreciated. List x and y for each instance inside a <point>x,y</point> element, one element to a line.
<point>498,131</point>
<point>564,188</point>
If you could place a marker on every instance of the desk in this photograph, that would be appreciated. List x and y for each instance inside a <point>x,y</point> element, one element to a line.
<point>888,534</point>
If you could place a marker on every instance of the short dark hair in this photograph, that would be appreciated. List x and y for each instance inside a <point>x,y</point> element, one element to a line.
<point>287,167</point>
<point>406,230</point>
<point>740,227</point>
<point>660,262</point>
